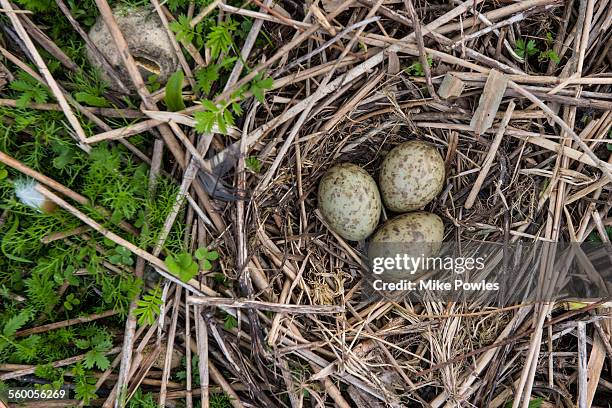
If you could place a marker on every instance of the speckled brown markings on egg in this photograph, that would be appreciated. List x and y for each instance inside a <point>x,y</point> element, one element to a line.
<point>415,234</point>
<point>411,175</point>
<point>148,42</point>
<point>349,201</point>
<point>412,228</point>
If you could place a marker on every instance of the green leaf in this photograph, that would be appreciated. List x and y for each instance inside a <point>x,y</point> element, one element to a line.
<point>85,390</point>
<point>91,100</point>
<point>97,358</point>
<point>548,55</point>
<point>3,174</point>
<point>525,49</point>
<point>230,322</point>
<point>219,39</point>
<point>148,307</point>
<point>174,92</point>
<point>259,85</point>
<point>253,163</point>
<point>182,29</point>
<point>214,115</point>
<point>16,322</point>
<point>534,403</point>
<point>549,38</point>
<point>182,265</point>
<point>206,77</point>
<point>82,343</point>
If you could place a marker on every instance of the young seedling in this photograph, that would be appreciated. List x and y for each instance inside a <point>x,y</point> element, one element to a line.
<point>182,265</point>
<point>205,257</point>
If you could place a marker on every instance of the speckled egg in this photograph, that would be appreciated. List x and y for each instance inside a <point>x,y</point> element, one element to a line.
<point>416,234</point>
<point>349,201</point>
<point>411,175</point>
<point>412,228</point>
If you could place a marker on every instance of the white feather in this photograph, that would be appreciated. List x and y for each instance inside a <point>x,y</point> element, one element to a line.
<point>25,190</point>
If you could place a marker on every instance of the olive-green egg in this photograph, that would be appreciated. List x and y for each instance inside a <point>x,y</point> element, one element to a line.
<point>418,227</point>
<point>416,234</point>
<point>349,201</point>
<point>411,175</point>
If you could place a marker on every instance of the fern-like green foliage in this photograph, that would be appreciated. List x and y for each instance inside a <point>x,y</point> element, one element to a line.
<point>115,182</point>
<point>37,5</point>
<point>187,34</point>
<point>217,116</point>
<point>148,307</point>
<point>220,38</point>
<point>29,89</point>
<point>207,76</point>
<point>142,400</point>
<point>16,322</point>
<point>85,388</point>
<point>259,85</point>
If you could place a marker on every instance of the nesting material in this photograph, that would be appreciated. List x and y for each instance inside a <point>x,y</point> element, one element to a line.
<point>451,87</point>
<point>489,102</point>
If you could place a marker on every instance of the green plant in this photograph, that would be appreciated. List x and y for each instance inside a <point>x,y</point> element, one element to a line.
<point>548,55</point>
<point>65,155</point>
<point>182,265</point>
<point>142,400</point>
<point>174,96</point>
<point>37,5</point>
<point>118,291</point>
<point>85,388</point>
<point>50,373</point>
<point>153,83</point>
<point>187,34</point>
<point>71,301</point>
<point>91,100</point>
<point>525,49</point>
<point>534,403</point>
<point>253,163</point>
<point>207,76</point>
<point>205,256</point>
<point>594,235</point>
<point>215,115</point>
<point>30,89</point>
<point>121,256</point>
<point>66,274</point>
<point>221,400</point>
<point>181,375</point>
<point>148,307</point>
<point>219,39</point>
<point>259,84</point>
<point>229,322</point>
<point>416,68</point>
<point>99,344</point>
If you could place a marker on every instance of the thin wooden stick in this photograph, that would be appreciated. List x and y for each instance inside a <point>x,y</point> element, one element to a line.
<point>55,364</point>
<point>258,305</point>
<point>42,67</point>
<point>158,264</point>
<point>486,165</point>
